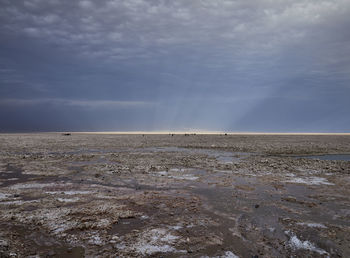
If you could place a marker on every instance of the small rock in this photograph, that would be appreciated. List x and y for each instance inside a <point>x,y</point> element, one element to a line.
<point>257,206</point>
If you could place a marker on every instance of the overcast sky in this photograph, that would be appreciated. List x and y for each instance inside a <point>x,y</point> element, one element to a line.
<point>228,65</point>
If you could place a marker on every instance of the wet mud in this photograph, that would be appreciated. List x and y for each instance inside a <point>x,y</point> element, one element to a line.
<point>174,196</point>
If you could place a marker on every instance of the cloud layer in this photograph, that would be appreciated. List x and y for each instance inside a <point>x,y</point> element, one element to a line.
<point>211,64</point>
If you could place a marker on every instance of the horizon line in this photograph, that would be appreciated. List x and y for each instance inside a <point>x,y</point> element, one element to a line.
<point>200,132</point>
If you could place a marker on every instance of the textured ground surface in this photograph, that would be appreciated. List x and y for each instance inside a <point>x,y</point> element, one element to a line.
<point>173,196</point>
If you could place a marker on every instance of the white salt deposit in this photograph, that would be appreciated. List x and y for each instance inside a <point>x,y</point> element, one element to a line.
<point>177,170</point>
<point>163,236</point>
<point>163,173</point>
<point>55,219</point>
<point>272,229</point>
<point>312,225</point>
<point>260,173</point>
<point>185,177</point>
<point>177,176</point>
<point>36,185</point>
<point>69,192</point>
<point>153,241</point>
<point>68,199</point>
<point>177,227</point>
<point>3,196</point>
<point>147,249</point>
<point>296,243</point>
<point>314,180</point>
<point>290,174</point>
<point>95,240</point>
<point>227,254</point>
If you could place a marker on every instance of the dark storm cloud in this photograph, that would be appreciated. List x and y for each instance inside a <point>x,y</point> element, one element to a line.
<point>220,65</point>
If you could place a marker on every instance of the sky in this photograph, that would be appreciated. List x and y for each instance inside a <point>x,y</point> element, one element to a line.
<point>158,65</point>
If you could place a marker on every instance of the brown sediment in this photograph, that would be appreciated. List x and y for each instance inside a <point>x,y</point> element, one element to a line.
<point>174,196</point>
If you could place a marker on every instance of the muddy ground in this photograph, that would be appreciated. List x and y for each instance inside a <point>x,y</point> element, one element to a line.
<point>84,195</point>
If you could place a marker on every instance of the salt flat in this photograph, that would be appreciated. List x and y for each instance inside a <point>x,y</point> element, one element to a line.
<point>161,195</point>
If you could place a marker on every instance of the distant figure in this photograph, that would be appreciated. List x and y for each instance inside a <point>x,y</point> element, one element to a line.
<point>225,134</point>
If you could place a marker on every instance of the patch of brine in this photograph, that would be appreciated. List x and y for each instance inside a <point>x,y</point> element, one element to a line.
<point>36,185</point>
<point>314,180</point>
<point>69,192</point>
<point>158,240</point>
<point>163,173</point>
<point>312,225</point>
<point>182,174</point>
<point>68,199</point>
<point>296,244</point>
<point>185,177</point>
<point>176,227</point>
<point>177,170</point>
<point>4,196</point>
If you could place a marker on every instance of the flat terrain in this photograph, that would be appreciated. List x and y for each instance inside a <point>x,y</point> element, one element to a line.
<point>86,195</point>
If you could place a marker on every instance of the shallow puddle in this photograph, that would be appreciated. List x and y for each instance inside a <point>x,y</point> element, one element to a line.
<point>14,175</point>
